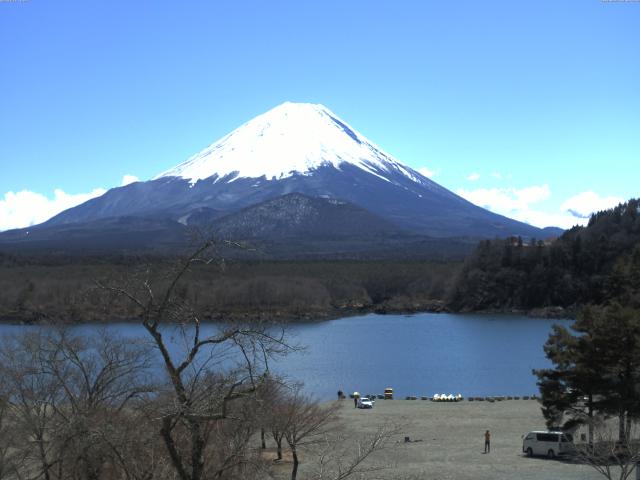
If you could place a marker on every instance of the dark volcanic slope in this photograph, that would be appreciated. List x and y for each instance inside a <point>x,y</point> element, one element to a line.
<point>114,234</point>
<point>421,208</point>
<point>298,216</point>
<point>289,227</point>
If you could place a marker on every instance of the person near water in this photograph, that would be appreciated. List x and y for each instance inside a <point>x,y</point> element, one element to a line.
<point>487,442</point>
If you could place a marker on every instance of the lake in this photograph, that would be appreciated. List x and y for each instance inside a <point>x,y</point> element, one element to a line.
<point>421,354</point>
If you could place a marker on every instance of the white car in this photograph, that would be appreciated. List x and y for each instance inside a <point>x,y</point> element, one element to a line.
<point>551,444</point>
<point>365,402</point>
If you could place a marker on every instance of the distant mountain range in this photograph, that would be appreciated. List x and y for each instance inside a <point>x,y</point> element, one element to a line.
<point>296,175</point>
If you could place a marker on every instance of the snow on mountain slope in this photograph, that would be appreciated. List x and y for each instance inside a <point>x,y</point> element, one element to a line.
<point>292,138</point>
<point>293,148</point>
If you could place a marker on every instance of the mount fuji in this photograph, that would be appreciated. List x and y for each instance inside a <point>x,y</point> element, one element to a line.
<point>299,163</point>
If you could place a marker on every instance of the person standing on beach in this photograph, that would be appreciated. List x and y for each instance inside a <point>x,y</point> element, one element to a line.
<point>487,442</point>
<point>355,401</point>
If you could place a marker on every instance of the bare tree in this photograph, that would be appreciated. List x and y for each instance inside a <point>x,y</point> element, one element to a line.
<point>340,458</point>
<point>64,392</point>
<point>98,378</point>
<point>269,403</point>
<point>30,397</point>
<point>8,465</point>
<point>132,445</point>
<point>609,456</point>
<point>201,386</point>
<point>303,422</point>
<point>277,427</point>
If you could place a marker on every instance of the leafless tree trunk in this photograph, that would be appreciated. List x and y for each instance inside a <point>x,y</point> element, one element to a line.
<point>201,390</point>
<point>303,422</point>
<point>278,437</point>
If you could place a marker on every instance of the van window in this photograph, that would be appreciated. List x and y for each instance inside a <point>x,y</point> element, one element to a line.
<point>548,437</point>
<point>529,437</point>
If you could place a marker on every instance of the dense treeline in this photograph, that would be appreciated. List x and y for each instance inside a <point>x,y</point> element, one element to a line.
<point>63,289</point>
<point>587,265</point>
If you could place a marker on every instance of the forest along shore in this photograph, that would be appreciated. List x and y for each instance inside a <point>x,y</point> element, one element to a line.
<point>48,290</point>
<point>63,290</point>
<point>447,440</point>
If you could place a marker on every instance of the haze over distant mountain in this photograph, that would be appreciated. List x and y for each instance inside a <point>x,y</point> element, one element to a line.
<point>293,148</point>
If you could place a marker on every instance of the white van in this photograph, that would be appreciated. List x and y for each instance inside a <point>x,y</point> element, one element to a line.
<point>551,444</point>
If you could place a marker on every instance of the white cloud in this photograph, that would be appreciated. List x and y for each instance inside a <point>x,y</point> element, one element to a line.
<point>497,175</point>
<point>517,204</point>
<point>26,208</point>
<point>473,177</point>
<point>586,203</point>
<point>428,172</point>
<point>533,194</point>
<point>506,199</point>
<point>520,204</point>
<point>127,179</point>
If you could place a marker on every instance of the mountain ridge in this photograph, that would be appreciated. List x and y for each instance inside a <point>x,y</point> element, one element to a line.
<point>294,148</point>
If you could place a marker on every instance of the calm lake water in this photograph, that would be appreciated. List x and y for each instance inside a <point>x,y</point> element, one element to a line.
<point>422,354</point>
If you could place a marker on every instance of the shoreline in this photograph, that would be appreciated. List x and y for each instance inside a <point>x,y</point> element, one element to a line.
<point>280,316</point>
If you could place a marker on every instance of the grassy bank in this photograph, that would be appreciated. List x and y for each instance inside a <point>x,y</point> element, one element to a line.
<point>447,441</point>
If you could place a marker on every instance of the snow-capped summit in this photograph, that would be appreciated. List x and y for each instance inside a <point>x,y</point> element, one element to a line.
<point>292,138</point>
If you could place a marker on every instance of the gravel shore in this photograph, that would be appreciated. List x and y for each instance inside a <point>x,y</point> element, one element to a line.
<point>448,440</point>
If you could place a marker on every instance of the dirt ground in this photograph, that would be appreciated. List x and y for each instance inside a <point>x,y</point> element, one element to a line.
<point>447,441</point>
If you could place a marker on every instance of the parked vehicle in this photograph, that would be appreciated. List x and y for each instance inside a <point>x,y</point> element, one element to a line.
<point>365,402</point>
<point>550,444</point>
<point>388,393</point>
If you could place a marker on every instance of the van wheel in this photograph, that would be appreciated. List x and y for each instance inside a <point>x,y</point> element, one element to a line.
<point>551,454</point>
<point>529,452</point>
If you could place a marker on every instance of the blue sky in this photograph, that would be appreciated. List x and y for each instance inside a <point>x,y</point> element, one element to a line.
<point>529,108</point>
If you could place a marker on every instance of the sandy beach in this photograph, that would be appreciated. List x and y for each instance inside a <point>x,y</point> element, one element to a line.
<point>448,441</point>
